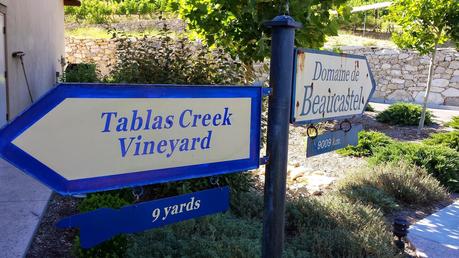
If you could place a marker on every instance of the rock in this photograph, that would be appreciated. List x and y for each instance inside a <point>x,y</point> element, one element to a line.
<point>395,72</point>
<point>434,98</point>
<point>451,92</point>
<point>296,172</point>
<point>456,72</point>
<point>454,65</point>
<point>319,182</point>
<point>385,66</point>
<point>397,81</point>
<point>408,76</point>
<point>400,95</point>
<point>454,101</point>
<point>455,78</point>
<point>425,60</point>
<point>410,68</point>
<point>440,82</point>
<point>392,86</point>
<point>440,69</point>
<point>403,56</point>
<point>437,89</point>
<point>387,52</point>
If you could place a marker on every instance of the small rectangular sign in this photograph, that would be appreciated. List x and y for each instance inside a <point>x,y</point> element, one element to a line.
<point>331,141</point>
<point>328,85</point>
<point>100,225</point>
<point>83,138</point>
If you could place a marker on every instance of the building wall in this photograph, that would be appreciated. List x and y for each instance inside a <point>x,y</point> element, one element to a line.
<point>35,27</point>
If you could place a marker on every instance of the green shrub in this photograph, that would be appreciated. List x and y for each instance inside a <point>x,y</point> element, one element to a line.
<point>81,73</point>
<point>166,60</point>
<point>439,161</point>
<point>387,186</point>
<point>403,114</point>
<point>238,182</point>
<point>454,123</point>
<point>368,141</point>
<point>220,235</point>
<point>117,246</point>
<point>332,226</point>
<point>449,139</point>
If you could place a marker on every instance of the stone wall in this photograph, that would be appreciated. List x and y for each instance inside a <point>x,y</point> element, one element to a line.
<point>99,51</point>
<point>400,75</point>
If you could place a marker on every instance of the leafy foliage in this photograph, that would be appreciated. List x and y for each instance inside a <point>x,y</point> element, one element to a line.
<point>454,123</point>
<point>166,60</point>
<point>439,161</point>
<point>213,236</point>
<point>425,23</point>
<point>237,26</point>
<point>403,114</point>
<point>102,11</point>
<point>449,139</point>
<point>333,226</point>
<point>116,247</point>
<point>368,142</point>
<point>389,186</point>
<point>81,73</point>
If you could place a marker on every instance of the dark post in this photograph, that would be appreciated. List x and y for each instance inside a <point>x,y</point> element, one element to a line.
<point>281,74</point>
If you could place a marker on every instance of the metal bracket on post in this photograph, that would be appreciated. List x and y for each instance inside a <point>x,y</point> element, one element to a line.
<point>264,160</point>
<point>281,75</point>
<point>267,91</point>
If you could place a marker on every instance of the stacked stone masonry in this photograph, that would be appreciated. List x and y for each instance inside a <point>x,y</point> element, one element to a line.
<point>400,75</point>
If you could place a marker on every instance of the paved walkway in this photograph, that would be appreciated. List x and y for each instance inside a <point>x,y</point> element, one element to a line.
<point>22,202</point>
<point>438,234</point>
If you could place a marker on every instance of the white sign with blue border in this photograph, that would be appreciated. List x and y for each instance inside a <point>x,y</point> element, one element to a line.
<point>329,86</point>
<point>83,138</point>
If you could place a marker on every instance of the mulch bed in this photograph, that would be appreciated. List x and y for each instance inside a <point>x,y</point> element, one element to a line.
<point>49,241</point>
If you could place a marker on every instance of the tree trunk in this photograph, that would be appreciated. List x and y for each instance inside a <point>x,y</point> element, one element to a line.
<point>426,96</point>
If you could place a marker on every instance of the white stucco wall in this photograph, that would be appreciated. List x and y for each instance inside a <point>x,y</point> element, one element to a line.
<point>35,27</point>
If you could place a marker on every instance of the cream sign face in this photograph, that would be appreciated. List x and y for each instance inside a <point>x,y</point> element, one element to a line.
<point>150,134</point>
<point>329,86</point>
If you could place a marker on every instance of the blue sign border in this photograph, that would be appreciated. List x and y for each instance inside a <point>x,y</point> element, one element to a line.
<point>322,52</point>
<point>54,97</point>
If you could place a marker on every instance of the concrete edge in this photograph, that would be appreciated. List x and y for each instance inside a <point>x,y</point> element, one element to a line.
<point>37,225</point>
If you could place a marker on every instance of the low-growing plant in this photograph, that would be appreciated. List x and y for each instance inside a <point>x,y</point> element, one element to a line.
<point>81,73</point>
<point>454,123</point>
<point>389,186</point>
<point>220,235</point>
<point>449,139</point>
<point>368,141</point>
<point>403,114</point>
<point>332,226</point>
<point>238,183</point>
<point>117,246</point>
<point>166,60</point>
<point>439,161</point>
